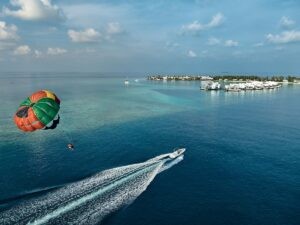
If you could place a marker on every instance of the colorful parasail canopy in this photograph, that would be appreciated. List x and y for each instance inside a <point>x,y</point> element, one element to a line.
<point>37,111</point>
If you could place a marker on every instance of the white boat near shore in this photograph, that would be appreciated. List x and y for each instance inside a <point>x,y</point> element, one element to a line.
<point>253,85</point>
<point>211,86</point>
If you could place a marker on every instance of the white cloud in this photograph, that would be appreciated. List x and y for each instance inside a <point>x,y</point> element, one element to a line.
<point>8,33</point>
<point>193,27</point>
<point>52,29</point>
<point>114,28</point>
<point>216,21</point>
<point>22,50</point>
<point>231,43</point>
<point>191,54</point>
<point>259,44</point>
<point>213,41</point>
<point>38,54</point>
<point>279,48</point>
<point>227,43</point>
<point>87,35</point>
<point>34,10</point>
<point>286,22</point>
<point>90,50</point>
<point>171,45</point>
<point>85,14</point>
<point>196,26</point>
<point>56,51</point>
<point>85,50</point>
<point>237,53</point>
<point>284,37</point>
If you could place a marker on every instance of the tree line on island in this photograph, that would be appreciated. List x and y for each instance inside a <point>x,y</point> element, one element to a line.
<point>257,78</point>
<point>226,77</point>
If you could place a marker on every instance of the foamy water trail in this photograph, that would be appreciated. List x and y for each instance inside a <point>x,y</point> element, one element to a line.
<point>90,200</point>
<point>171,164</point>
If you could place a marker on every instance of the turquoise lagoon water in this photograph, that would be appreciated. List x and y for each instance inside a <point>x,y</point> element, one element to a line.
<point>241,166</point>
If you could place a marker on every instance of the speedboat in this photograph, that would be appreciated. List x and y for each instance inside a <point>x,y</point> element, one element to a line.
<point>177,153</point>
<point>169,156</point>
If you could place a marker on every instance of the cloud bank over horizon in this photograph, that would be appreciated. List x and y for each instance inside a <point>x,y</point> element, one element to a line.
<point>134,36</point>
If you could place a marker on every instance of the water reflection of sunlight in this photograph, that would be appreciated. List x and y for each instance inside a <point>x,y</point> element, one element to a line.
<point>215,96</point>
<point>231,97</point>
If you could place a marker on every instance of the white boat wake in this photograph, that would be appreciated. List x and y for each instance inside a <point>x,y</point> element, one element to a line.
<point>90,200</point>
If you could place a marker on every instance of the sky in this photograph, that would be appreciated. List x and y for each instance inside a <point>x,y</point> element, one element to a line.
<point>159,36</point>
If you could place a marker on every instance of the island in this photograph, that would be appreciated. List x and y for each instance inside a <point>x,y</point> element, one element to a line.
<point>233,83</point>
<point>230,78</point>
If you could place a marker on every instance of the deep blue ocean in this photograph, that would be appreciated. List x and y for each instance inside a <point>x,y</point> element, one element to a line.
<point>241,166</point>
